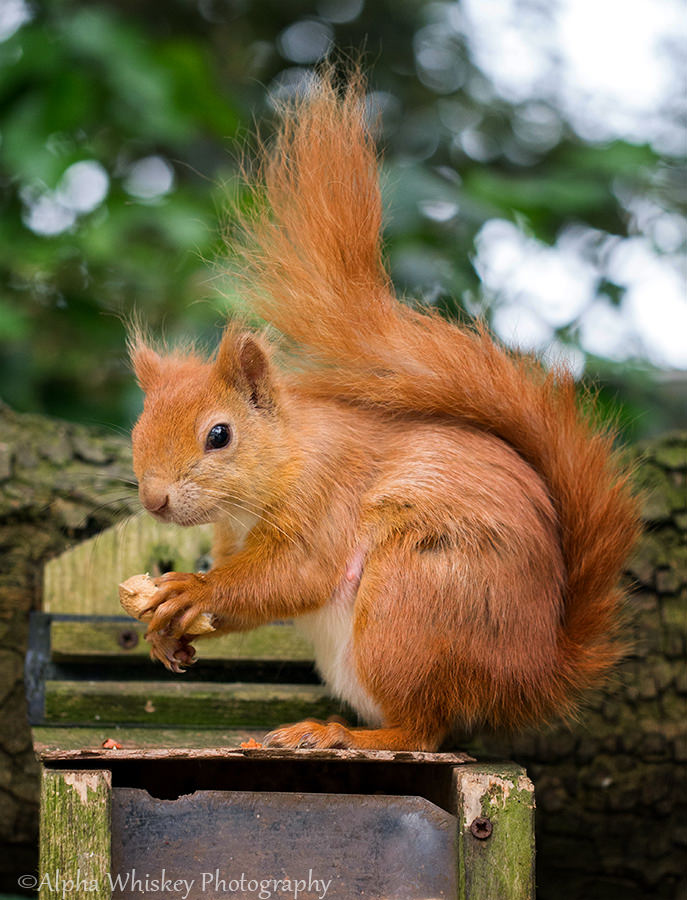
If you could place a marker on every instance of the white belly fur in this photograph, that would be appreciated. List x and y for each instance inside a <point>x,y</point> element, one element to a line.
<point>330,630</point>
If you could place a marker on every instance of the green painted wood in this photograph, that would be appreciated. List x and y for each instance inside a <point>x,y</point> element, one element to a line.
<point>75,834</point>
<point>185,704</point>
<point>501,865</point>
<point>55,737</point>
<point>84,580</point>
<point>102,642</point>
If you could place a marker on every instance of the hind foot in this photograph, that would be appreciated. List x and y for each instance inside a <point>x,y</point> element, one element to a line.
<point>312,734</point>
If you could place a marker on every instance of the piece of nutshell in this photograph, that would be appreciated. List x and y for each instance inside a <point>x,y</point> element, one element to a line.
<point>136,593</point>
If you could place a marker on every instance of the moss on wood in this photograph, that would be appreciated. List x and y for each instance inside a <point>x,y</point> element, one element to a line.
<point>102,641</point>
<point>75,834</point>
<point>495,806</point>
<point>185,704</point>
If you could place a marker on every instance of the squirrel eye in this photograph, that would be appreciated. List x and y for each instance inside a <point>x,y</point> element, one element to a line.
<point>218,437</point>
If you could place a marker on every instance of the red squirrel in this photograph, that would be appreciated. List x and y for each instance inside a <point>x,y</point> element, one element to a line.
<point>438,514</point>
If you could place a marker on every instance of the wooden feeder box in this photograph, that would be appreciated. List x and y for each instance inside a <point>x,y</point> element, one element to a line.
<point>180,810</point>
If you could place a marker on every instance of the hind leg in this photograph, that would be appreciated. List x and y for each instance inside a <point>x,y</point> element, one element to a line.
<point>447,635</point>
<point>400,653</point>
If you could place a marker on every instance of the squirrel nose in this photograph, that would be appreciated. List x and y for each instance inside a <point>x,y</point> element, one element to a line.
<point>154,497</point>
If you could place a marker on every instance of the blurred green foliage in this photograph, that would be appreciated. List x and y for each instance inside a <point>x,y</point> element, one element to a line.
<point>168,93</point>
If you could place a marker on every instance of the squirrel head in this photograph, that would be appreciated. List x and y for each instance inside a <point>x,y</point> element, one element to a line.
<point>208,439</point>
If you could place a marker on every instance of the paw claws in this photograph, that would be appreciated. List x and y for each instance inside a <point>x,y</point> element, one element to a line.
<point>271,739</point>
<point>309,735</point>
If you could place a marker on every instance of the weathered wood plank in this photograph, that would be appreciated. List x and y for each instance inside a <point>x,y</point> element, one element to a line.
<point>84,580</point>
<point>185,703</point>
<point>495,806</point>
<point>99,755</point>
<point>121,641</point>
<point>75,834</point>
<point>48,738</point>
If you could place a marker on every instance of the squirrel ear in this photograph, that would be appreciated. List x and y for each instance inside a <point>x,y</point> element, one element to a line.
<point>243,361</point>
<point>147,364</point>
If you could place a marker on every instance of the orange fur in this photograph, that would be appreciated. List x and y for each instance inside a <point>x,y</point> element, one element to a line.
<point>442,506</point>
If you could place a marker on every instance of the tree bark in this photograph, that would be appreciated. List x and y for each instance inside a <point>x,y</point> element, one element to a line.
<point>611,789</point>
<point>59,484</point>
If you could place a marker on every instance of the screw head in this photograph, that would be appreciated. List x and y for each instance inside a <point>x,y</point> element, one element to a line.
<point>481,828</point>
<point>127,638</point>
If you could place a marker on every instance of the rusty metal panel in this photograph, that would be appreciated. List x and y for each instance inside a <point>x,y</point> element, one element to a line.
<point>214,844</point>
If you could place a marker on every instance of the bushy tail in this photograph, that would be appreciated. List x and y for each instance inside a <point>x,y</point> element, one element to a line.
<point>314,269</point>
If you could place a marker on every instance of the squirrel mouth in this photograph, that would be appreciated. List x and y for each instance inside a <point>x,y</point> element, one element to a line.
<point>185,518</point>
<point>162,515</point>
<point>171,516</point>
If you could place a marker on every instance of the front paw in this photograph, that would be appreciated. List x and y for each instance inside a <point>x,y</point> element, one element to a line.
<point>180,599</point>
<point>174,653</point>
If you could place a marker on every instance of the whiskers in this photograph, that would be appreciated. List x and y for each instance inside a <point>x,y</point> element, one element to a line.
<point>115,479</point>
<point>114,490</point>
<point>227,503</point>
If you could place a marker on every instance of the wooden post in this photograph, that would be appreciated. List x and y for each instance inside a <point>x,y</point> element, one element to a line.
<point>495,809</point>
<point>75,834</point>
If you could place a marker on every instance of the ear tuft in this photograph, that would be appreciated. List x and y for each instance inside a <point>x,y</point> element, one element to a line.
<point>243,361</point>
<point>254,367</point>
<point>146,362</point>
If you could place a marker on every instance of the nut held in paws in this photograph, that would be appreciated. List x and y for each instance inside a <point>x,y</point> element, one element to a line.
<point>136,593</point>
